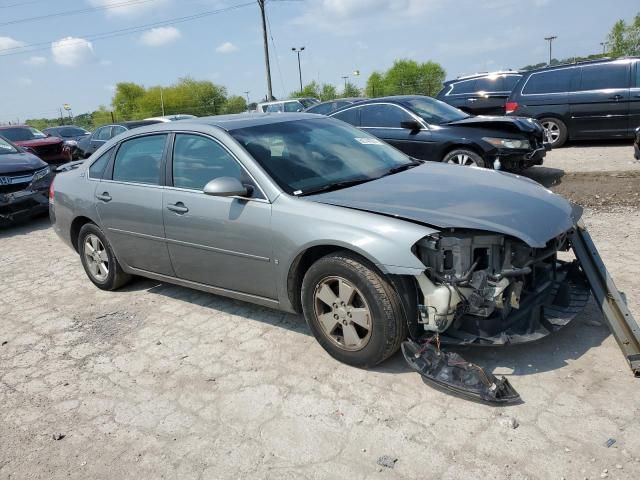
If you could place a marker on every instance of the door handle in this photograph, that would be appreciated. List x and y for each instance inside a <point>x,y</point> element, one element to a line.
<point>178,208</point>
<point>105,197</point>
<point>616,97</point>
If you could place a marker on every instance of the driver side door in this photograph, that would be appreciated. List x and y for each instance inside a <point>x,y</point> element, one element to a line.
<point>224,242</point>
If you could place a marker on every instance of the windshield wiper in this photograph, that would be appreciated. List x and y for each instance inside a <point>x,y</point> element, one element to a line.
<point>336,186</point>
<point>401,168</point>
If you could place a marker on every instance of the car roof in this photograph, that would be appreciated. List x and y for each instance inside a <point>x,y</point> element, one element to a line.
<point>236,121</point>
<point>6,127</point>
<point>577,64</point>
<point>483,74</point>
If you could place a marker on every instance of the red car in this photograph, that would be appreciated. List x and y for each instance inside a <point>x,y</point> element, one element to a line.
<point>49,149</point>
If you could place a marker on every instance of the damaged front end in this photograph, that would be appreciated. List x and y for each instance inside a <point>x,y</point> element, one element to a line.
<point>486,289</point>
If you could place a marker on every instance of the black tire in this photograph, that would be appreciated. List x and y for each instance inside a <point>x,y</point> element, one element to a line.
<point>459,156</point>
<point>116,277</point>
<point>388,326</point>
<point>562,132</point>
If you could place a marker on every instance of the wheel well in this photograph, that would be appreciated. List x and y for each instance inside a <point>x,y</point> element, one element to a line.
<point>76,225</point>
<point>462,145</point>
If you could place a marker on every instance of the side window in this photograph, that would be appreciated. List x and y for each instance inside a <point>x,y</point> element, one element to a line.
<point>323,109</point>
<point>117,130</point>
<point>553,81</point>
<point>97,168</point>
<point>350,116</point>
<point>138,160</point>
<point>276,107</point>
<point>465,86</point>
<point>490,84</point>
<point>606,75</point>
<point>383,116</point>
<point>103,133</point>
<point>198,160</point>
<point>292,107</point>
<point>510,82</point>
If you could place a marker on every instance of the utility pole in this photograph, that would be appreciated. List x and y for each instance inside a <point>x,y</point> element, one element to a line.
<point>247,94</point>
<point>298,50</point>
<point>266,50</point>
<point>345,78</point>
<point>604,47</point>
<point>550,40</point>
<point>162,101</point>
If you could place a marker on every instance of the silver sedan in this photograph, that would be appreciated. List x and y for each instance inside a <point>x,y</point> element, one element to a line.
<point>308,214</point>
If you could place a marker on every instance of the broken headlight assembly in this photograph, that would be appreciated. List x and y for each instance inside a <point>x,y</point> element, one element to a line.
<point>512,143</point>
<point>40,174</point>
<point>486,288</point>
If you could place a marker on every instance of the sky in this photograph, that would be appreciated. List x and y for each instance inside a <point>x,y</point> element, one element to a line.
<point>60,57</point>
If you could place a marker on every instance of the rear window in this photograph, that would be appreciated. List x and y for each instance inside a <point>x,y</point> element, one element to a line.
<point>553,81</point>
<point>603,76</point>
<point>22,134</point>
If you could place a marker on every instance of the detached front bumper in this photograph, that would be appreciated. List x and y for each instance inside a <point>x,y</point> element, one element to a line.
<point>23,204</point>
<point>520,160</point>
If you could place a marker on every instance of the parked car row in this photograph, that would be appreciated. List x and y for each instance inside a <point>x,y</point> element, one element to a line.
<point>583,101</point>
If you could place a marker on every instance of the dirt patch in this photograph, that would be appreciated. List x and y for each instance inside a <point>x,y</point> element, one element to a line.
<point>600,190</point>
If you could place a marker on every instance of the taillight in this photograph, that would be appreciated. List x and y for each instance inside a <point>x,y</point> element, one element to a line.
<point>510,107</point>
<point>51,191</point>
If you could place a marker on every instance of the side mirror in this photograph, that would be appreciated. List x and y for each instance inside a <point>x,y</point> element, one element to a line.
<point>226,187</point>
<point>412,125</point>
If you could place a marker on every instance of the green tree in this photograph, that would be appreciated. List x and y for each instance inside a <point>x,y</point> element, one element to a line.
<point>102,116</point>
<point>126,100</point>
<point>624,39</point>
<point>309,90</point>
<point>350,90</point>
<point>375,85</point>
<point>235,104</point>
<point>328,92</point>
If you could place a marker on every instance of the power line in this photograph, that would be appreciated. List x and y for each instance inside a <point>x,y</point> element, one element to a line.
<point>75,12</point>
<point>21,4</point>
<point>273,42</point>
<point>34,47</point>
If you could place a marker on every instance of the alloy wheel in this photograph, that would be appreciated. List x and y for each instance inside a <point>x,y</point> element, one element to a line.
<point>97,258</point>
<point>551,131</point>
<point>343,314</point>
<point>463,160</point>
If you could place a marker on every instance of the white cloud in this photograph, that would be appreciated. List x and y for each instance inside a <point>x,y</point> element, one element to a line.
<point>157,37</point>
<point>35,61</point>
<point>24,81</point>
<point>8,42</point>
<point>346,16</point>
<point>72,51</point>
<point>127,8</point>
<point>226,47</point>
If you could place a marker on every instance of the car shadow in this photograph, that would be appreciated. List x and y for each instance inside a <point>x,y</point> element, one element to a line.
<point>25,227</point>
<point>559,349</point>
<point>545,176</point>
<point>617,142</point>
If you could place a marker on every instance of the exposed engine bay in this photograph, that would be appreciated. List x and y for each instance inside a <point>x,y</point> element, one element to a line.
<point>491,289</point>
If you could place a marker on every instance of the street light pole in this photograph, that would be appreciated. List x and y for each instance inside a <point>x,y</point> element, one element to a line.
<point>550,40</point>
<point>345,78</point>
<point>298,50</point>
<point>266,50</point>
<point>604,47</point>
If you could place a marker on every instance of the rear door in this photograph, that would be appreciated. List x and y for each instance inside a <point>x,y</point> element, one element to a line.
<point>384,121</point>
<point>224,242</point>
<point>491,93</point>
<point>458,94</point>
<point>129,202</point>
<point>600,104</point>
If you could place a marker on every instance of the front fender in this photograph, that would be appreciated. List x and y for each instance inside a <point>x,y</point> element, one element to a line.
<point>300,224</point>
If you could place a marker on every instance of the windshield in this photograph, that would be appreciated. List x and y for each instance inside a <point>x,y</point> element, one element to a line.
<point>306,156</point>
<point>434,111</point>
<point>6,147</point>
<point>21,134</point>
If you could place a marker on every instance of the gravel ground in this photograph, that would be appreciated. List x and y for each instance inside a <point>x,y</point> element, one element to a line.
<point>158,381</point>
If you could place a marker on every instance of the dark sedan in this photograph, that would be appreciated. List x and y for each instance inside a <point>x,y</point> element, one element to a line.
<point>90,143</point>
<point>429,129</point>
<point>70,134</point>
<point>24,183</point>
<point>50,149</point>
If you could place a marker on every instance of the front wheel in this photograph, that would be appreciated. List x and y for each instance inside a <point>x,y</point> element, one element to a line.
<point>464,158</point>
<point>352,310</point>
<point>555,131</point>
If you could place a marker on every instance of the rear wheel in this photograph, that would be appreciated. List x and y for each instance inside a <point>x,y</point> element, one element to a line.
<point>98,259</point>
<point>352,310</point>
<point>555,131</point>
<point>463,157</point>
